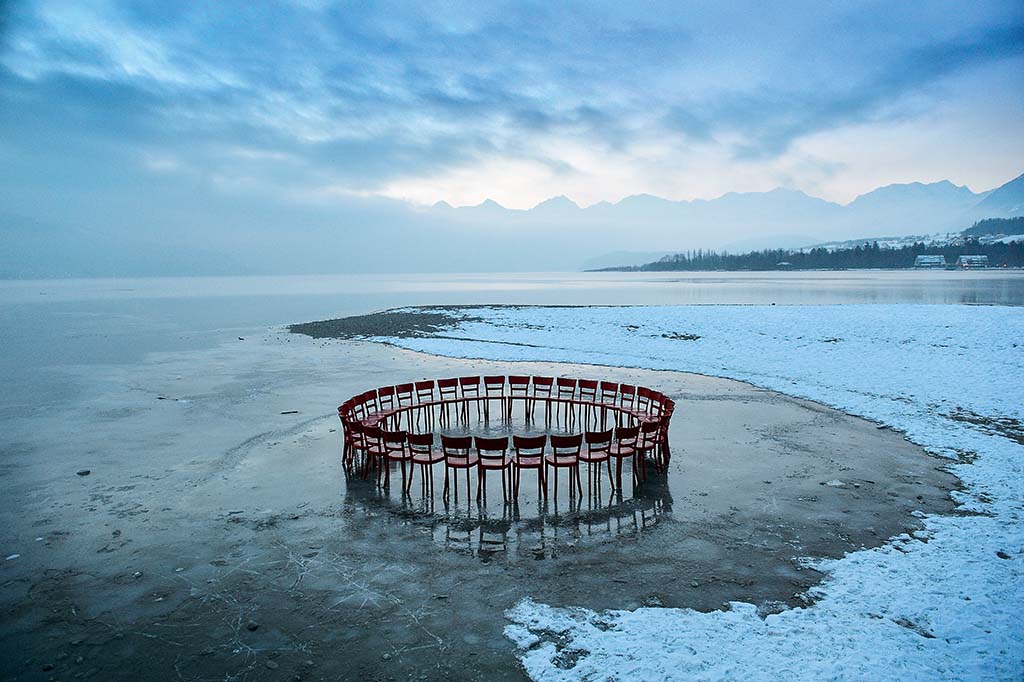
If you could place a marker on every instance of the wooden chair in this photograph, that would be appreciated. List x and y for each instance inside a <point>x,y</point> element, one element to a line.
<point>492,455</point>
<point>528,453</point>
<point>623,447</point>
<point>597,451</point>
<point>565,454</point>
<point>457,455</point>
<point>421,446</point>
<point>494,388</point>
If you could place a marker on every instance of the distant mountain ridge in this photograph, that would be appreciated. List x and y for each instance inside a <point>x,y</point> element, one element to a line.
<point>375,234</point>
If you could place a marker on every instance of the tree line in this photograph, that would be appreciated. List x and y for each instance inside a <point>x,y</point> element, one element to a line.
<point>868,255</point>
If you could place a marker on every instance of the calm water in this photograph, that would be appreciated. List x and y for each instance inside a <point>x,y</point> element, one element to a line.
<point>47,324</point>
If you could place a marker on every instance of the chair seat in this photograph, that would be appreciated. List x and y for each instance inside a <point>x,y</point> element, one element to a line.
<point>461,462</point>
<point>528,462</point>
<point>568,461</point>
<point>617,450</point>
<point>594,457</point>
<point>398,456</point>
<point>495,462</point>
<point>433,457</point>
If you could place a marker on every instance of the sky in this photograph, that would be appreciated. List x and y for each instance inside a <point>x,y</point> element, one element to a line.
<point>311,105</point>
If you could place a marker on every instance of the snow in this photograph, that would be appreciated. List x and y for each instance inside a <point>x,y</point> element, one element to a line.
<point>947,603</point>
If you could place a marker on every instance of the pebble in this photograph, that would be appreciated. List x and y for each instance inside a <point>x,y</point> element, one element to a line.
<point>80,660</point>
<point>47,667</point>
<point>83,472</point>
<point>1002,555</point>
<point>251,626</point>
<point>137,574</point>
<point>273,665</point>
<point>386,657</point>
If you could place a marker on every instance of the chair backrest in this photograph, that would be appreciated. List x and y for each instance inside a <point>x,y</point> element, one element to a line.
<point>394,441</point>
<point>386,397</point>
<point>609,392</point>
<point>626,435</point>
<point>529,446</point>
<point>470,386</point>
<point>449,388</point>
<point>372,436</point>
<point>627,395</point>
<point>492,448</point>
<point>404,394</point>
<point>643,398</point>
<point>456,446</point>
<point>421,443</point>
<point>424,391</point>
<point>566,446</point>
<point>649,431</point>
<point>518,385</point>
<point>566,388</point>
<point>542,386</point>
<point>598,441</point>
<point>588,389</point>
<point>494,385</point>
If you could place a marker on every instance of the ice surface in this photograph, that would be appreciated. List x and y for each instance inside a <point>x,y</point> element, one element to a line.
<point>946,604</point>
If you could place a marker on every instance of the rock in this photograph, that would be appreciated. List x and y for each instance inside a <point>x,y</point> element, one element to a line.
<point>47,667</point>
<point>80,660</point>
<point>1002,555</point>
<point>83,472</point>
<point>241,338</point>
<point>137,574</point>
<point>273,665</point>
<point>386,657</point>
<point>834,483</point>
<point>653,601</point>
<point>251,626</point>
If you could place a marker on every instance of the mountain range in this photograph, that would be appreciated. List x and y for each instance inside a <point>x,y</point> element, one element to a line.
<point>380,235</point>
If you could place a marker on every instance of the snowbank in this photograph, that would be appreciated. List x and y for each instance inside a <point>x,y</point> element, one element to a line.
<point>947,604</point>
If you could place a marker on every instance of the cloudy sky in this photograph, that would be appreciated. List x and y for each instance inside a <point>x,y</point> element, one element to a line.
<point>311,103</point>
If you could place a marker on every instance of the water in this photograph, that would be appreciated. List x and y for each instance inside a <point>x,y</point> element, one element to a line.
<point>48,324</point>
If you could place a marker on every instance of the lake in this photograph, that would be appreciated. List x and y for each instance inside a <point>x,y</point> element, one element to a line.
<point>48,324</point>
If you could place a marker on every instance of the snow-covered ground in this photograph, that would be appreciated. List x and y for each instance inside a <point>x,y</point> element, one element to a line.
<point>946,604</point>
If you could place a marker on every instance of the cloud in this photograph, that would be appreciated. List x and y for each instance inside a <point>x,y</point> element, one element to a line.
<point>370,97</point>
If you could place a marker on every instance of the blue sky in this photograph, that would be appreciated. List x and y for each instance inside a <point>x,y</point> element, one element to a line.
<point>314,104</point>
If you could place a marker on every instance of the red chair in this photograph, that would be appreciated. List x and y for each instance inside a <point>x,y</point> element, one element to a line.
<point>425,400</point>
<point>565,454</point>
<point>492,455</point>
<point>421,446</point>
<point>373,447</point>
<point>598,445</point>
<point>494,388</point>
<point>470,393</point>
<point>588,398</point>
<point>542,393</point>
<point>647,444</point>
<point>518,389</point>
<point>643,401</point>
<point>565,392</point>
<point>627,399</point>
<point>528,453</point>
<point>623,447</point>
<point>404,397</point>
<point>457,455</point>
<point>395,450</point>
<point>449,390</point>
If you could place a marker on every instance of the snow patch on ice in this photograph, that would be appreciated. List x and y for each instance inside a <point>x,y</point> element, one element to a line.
<point>949,608</point>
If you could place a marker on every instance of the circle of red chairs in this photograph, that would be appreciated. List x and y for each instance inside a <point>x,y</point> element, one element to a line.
<point>392,427</point>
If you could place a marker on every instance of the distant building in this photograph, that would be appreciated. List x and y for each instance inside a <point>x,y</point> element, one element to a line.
<point>972,262</point>
<point>930,262</point>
